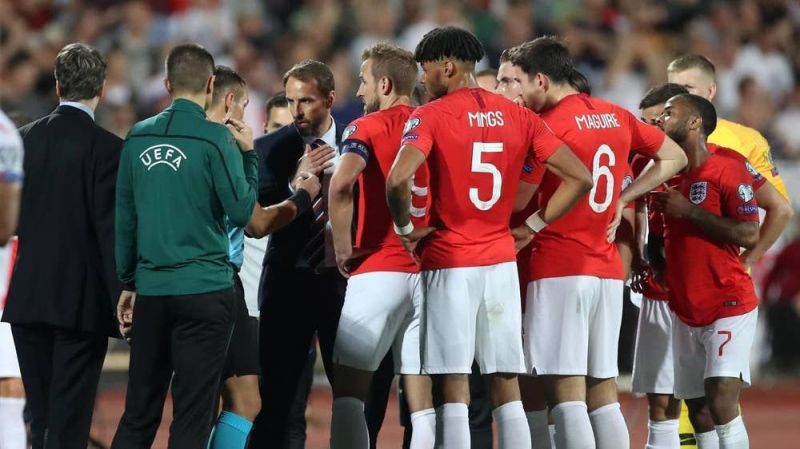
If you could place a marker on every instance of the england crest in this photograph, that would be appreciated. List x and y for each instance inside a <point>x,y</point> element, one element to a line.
<point>698,192</point>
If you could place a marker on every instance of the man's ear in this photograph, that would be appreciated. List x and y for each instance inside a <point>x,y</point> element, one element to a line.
<point>230,99</point>
<point>331,99</point>
<point>449,68</point>
<point>58,89</point>
<point>101,93</point>
<point>210,85</point>
<point>712,91</point>
<point>386,85</point>
<point>167,86</point>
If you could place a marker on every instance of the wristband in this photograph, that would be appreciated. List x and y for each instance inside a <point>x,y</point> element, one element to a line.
<point>535,222</point>
<point>301,200</point>
<point>405,230</point>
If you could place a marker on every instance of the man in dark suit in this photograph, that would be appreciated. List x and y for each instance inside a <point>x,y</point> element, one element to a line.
<point>302,292</point>
<point>60,302</point>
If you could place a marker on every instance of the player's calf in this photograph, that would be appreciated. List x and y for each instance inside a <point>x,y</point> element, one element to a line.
<point>608,424</point>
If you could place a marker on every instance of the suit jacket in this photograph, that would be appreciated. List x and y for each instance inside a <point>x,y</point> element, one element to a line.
<point>65,273</point>
<point>278,154</point>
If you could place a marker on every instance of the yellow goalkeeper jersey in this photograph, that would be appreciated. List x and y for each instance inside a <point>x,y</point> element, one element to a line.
<point>750,144</point>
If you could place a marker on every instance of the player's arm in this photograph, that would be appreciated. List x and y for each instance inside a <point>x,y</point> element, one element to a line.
<point>778,214</point>
<point>398,184</point>
<point>9,207</point>
<point>340,205</point>
<point>576,181</point>
<point>722,229</point>
<point>11,155</point>
<point>626,239</point>
<point>266,220</point>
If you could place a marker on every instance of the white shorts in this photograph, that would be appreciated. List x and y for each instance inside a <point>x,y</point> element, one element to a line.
<point>472,313</point>
<point>721,349</point>
<point>572,326</point>
<point>381,311</point>
<point>653,370</point>
<point>9,365</point>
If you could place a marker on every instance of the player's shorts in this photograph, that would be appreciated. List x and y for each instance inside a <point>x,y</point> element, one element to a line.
<point>243,349</point>
<point>381,312</point>
<point>9,365</point>
<point>721,349</point>
<point>653,370</point>
<point>472,313</point>
<point>572,326</point>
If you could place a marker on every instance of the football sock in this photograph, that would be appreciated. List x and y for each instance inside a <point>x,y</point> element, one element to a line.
<point>573,428</point>
<point>707,440</point>
<point>733,435</point>
<point>610,431</point>
<point>12,425</point>
<point>230,432</point>
<point>423,429</point>
<point>663,435</point>
<point>552,430</point>
<point>540,432</point>
<point>348,425</point>
<point>455,426</point>
<point>512,426</point>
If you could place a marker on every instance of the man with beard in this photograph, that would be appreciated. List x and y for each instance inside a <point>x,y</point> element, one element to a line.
<point>382,303</point>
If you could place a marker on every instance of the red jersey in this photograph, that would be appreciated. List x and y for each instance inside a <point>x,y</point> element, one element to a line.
<point>375,137</point>
<point>602,135</point>
<point>706,279</point>
<point>476,144</point>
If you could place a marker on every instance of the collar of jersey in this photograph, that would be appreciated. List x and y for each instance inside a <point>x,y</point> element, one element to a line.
<point>183,105</point>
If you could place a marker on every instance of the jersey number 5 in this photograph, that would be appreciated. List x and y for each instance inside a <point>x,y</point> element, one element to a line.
<point>602,171</point>
<point>478,166</point>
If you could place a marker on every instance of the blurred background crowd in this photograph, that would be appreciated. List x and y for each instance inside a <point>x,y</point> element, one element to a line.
<point>622,45</point>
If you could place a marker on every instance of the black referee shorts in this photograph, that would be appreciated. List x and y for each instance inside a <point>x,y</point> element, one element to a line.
<point>243,351</point>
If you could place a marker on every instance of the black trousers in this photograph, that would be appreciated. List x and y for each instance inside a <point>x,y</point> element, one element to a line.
<point>186,335</point>
<point>60,370</point>
<point>296,304</point>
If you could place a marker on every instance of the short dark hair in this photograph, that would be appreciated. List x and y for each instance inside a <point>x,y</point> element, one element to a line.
<point>277,101</point>
<point>660,94</point>
<point>394,63</point>
<point>692,61</point>
<point>702,108</point>
<point>227,80</point>
<point>80,71</point>
<point>487,72</point>
<point>188,68</point>
<point>549,56</point>
<point>449,42</point>
<point>310,70</point>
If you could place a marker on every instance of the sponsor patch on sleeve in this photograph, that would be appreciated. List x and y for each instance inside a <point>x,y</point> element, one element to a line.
<point>747,209</point>
<point>745,192</point>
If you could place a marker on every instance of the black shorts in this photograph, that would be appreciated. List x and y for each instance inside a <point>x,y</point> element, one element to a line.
<point>243,350</point>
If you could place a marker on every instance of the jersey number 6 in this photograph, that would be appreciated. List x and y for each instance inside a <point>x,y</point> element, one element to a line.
<point>602,171</point>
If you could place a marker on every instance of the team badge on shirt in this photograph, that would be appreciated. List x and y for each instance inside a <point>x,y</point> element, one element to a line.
<point>698,192</point>
<point>348,132</point>
<point>411,124</point>
<point>745,192</point>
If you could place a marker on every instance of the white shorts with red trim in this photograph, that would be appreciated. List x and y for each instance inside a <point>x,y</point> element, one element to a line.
<point>653,370</point>
<point>572,326</point>
<point>381,311</point>
<point>721,349</point>
<point>472,313</point>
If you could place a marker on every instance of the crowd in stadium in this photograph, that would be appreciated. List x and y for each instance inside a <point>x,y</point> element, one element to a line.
<point>622,46</point>
<point>436,182</point>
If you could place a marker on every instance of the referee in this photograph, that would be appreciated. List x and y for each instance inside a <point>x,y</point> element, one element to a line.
<point>180,175</point>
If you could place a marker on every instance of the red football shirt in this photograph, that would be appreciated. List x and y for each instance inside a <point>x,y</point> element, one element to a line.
<point>376,137</point>
<point>602,135</point>
<point>476,143</point>
<point>706,279</point>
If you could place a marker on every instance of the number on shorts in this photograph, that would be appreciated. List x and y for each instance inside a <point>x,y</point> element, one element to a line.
<point>478,166</point>
<point>602,171</point>
<point>729,335</point>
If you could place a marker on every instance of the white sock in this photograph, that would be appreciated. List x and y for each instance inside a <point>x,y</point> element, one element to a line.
<point>512,426</point>
<point>540,432</point>
<point>663,435</point>
<point>348,425</point>
<point>573,428</point>
<point>733,435</point>
<point>423,429</point>
<point>455,426</point>
<point>610,430</point>
<point>12,426</point>
<point>551,429</point>
<point>707,440</point>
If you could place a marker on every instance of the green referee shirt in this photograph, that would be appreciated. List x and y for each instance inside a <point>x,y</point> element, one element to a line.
<point>179,176</point>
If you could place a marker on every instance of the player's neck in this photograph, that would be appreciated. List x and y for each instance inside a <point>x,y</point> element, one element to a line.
<point>558,92</point>
<point>699,154</point>
<point>395,100</point>
<point>465,80</point>
<point>216,114</point>
<point>199,99</point>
